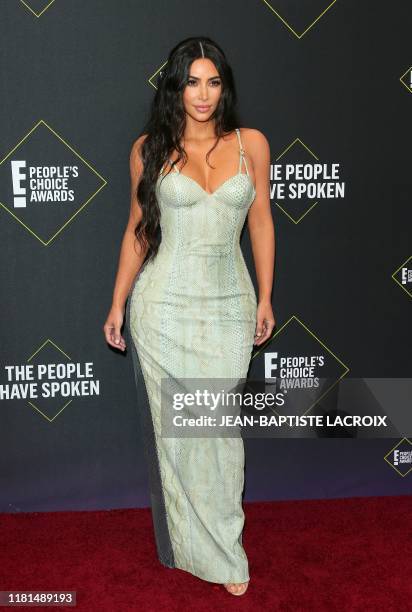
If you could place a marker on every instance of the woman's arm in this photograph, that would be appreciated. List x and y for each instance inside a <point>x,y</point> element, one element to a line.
<point>262,234</point>
<point>131,256</point>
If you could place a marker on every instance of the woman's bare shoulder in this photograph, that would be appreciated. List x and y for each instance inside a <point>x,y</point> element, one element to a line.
<point>256,146</point>
<point>135,152</point>
<point>137,144</point>
<point>253,138</point>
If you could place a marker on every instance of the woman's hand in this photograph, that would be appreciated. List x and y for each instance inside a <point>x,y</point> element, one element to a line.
<point>265,322</point>
<point>112,328</point>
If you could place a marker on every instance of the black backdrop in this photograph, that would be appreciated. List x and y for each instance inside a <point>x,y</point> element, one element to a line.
<point>326,82</point>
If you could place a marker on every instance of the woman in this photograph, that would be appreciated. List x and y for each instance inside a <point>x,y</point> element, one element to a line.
<point>192,310</point>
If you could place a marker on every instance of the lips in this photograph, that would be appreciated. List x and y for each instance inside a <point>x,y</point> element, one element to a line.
<point>202,109</point>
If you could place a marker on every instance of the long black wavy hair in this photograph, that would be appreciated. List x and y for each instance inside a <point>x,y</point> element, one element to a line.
<point>166,125</point>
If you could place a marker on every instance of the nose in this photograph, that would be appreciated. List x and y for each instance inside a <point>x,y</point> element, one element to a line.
<point>203,91</point>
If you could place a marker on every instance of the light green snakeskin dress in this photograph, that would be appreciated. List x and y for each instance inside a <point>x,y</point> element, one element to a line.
<point>192,313</point>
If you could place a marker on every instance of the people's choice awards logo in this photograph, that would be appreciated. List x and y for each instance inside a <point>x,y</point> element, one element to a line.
<point>298,181</point>
<point>406,276</point>
<point>37,7</point>
<point>48,381</point>
<point>400,457</point>
<point>311,365</point>
<point>403,276</point>
<point>45,183</point>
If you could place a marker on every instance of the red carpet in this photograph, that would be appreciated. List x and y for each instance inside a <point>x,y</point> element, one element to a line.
<point>344,555</point>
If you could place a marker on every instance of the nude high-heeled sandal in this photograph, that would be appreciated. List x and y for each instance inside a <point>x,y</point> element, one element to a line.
<point>241,591</point>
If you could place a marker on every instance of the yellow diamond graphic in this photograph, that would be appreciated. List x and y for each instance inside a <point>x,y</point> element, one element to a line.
<point>293,321</point>
<point>45,183</point>
<point>274,7</point>
<point>406,79</point>
<point>312,205</point>
<point>395,460</point>
<point>152,79</point>
<point>37,8</point>
<point>47,344</point>
<point>402,275</point>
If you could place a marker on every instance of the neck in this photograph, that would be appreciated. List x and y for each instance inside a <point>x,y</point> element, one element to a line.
<point>199,130</point>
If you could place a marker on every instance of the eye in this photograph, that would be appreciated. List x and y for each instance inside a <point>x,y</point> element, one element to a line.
<point>215,83</point>
<point>191,82</point>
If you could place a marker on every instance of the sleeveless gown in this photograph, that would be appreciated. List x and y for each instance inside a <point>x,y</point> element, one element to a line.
<point>191,312</point>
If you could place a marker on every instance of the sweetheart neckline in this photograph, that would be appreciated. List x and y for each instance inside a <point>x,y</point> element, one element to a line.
<point>220,186</point>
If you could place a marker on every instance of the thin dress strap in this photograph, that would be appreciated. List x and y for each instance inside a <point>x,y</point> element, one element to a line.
<point>241,153</point>
<point>164,165</point>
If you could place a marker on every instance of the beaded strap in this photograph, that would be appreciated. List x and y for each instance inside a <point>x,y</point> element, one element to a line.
<point>242,153</point>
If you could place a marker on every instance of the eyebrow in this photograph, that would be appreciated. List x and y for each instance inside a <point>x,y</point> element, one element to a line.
<point>217,76</point>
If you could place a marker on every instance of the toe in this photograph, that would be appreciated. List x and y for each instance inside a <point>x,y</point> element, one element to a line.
<point>237,588</point>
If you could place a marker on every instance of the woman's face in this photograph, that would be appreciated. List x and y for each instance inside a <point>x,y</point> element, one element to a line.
<point>203,90</point>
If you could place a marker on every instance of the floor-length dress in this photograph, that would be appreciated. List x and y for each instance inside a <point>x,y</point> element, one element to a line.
<point>191,312</point>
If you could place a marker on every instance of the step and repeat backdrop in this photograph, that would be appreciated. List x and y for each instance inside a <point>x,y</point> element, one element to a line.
<point>330,86</point>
